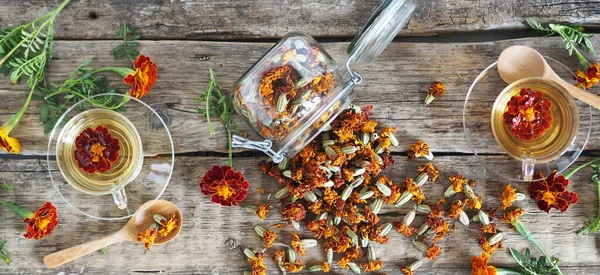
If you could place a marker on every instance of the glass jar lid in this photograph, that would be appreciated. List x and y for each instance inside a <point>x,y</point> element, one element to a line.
<point>380,29</point>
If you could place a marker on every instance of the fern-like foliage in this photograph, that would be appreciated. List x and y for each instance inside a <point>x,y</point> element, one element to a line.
<point>535,266</point>
<point>129,46</point>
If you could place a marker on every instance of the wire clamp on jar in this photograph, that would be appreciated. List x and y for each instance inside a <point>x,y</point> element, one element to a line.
<point>264,146</point>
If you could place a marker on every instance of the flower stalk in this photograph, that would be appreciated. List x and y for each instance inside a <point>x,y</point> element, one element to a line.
<point>524,231</point>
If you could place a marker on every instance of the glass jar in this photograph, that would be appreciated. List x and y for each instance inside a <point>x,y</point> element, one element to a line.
<point>296,89</point>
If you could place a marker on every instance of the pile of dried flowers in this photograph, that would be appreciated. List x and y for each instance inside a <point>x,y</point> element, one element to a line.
<point>161,227</point>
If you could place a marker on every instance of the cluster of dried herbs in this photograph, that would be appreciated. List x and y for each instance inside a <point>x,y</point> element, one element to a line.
<point>160,227</point>
<point>290,86</point>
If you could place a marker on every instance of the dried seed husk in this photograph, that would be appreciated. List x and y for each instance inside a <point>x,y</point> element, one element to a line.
<point>483,218</point>
<point>354,267</point>
<point>421,246</point>
<point>430,156</point>
<point>355,108</point>
<point>393,140</point>
<point>296,65</point>
<point>376,205</point>
<point>366,195</point>
<point>416,264</point>
<point>310,196</point>
<point>361,163</point>
<point>404,198</point>
<point>318,192</point>
<point>277,58</point>
<point>326,127</point>
<point>307,243</point>
<point>251,117</point>
<point>291,255</point>
<point>357,182</point>
<point>283,165</point>
<point>295,224</point>
<point>384,189</point>
<point>422,229</point>
<point>359,171</point>
<point>346,193</point>
<point>463,218</point>
<point>324,169</point>
<point>281,193</point>
<point>520,197</point>
<point>468,191</point>
<point>428,99</point>
<point>421,179</point>
<point>475,218</point>
<point>409,218</point>
<point>260,230</point>
<point>329,184</point>
<point>349,149</point>
<point>330,152</point>
<point>315,268</point>
<point>364,242</point>
<point>379,150</point>
<point>496,238</point>
<point>449,192</point>
<point>352,235</point>
<point>337,220</point>
<point>301,58</point>
<point>298,44</point>
<point>371,253</point>
<point>250,208</point>
<point>374,136</point>
<point>330,255</point>
<point>365,137</point>
<point>386,229</point>
<point>154,226</point>
<point>287,174</point>
<point>423,208</point>
<point>303,82</point>
<point>323,216</point>
<point>334,169</point>
<point>249,253</point>
<point>158,218</point>
<point>377,158</point>
<point>293,199</point>
<point>282,103</point>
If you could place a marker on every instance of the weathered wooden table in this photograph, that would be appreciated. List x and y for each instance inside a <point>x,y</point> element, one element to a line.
<point>449,41</point>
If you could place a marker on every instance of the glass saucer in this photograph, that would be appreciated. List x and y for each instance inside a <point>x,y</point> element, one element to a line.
<point>477,125</point>
<point>151,165</point>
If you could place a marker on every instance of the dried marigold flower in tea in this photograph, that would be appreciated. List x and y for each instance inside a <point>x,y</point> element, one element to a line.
<point>588,78</point>
<point>225,186</point>
<point>96,150</point>
<point>430,170</point>
<point>294,211</point>
<point>297,245</point>
<point>480,265</point>
<point>528,114</point>
<point>436,89</point>
<point>551,192</point>
<point>294,267</point>
<point>490,228</point>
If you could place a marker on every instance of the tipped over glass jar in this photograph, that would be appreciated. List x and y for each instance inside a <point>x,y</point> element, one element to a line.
<point>296,89</point>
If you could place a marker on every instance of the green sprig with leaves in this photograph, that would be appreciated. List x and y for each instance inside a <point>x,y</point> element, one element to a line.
<point>4,253</point>
<point>593,224</point>
<point>218,104</point>
<point>535,266</point>
<point>129,46</point>
<point>573,36</point>
<point>7,187</point>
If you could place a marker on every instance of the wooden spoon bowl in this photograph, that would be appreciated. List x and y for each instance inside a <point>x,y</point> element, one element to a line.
<point>138,223</point>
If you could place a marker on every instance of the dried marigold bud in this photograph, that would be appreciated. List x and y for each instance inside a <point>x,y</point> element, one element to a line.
<point>436,89</point>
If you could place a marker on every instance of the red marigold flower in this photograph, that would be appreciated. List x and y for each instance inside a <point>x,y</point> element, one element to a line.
<point>42,223</point>
<point>588,78</point>
<point>226,186</point>
<point>528,114</point>
<point>144,77</point>
<point>96,150</point>
<point>551,192</point>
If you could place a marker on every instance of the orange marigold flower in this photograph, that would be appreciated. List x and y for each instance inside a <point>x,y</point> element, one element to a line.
<point>436,210</point>
<point>420,149</point>
<point>456,207</point>
<point>551,192</point>
<point>396,193</point>
<point>528,114</point>
<point>41,223</point>
<point>368,126</point>
<point>226,186</point>
<point>343,263</point>
<point>370,216</point>
<point>509,195</point>
<point>372,266</point>
<point>414,189</point>
<point>589,78</point>
<point>148,237</point>
<point>258,264</point>
<point>296,244</point>
<point>490,228</point>
<point>8,143</point>
<point>325,267</point>
<point>512,216</point>
<point>278,256</point>
<point>458,182</point>
<point>435,89</point>
<point>480,265</point>
<point>432,171</point>
<point>269,237</point>
<point>168,225</point>
<point>387,131</point>
<point>321,229</point>
<point>433,252</point>
<point>96,150</point>
<point>294,211</point>
<point>485,245</point>
<point>144,77</point>
<point>293,267</point>
<point>474,203</point>
<point>407,230</point>
<point>407,271</point>
<point>262,210</point>
<point>277,74</point>
<point>260,191</point>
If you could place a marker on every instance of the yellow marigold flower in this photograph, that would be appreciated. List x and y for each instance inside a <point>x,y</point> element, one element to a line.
<point>431,171</point>
<point>368,126</point>
<point>168,225</point>
<point>509,195</point>
<point>490,228</point>
<point>287,56</point>
<point>293,267</point>
<point>258,264</point>
<point>278,255</point>
<point>458,182</point>
<point>433,252</point>
<point>325,267</point>
<point>480,265</point>
<point>387,131</point>
<point>343,263</point>
<point>8,143</point>
<point>487,247</point>
<point>436,89</point>
<point>474,203</point>
<point>148,237</point>
<point>456,207</point>
<point>407,271</point>
<point>296,244</point>
<point>269,238</point>
<point>512,216</point>
<point>414,189</point>
<point>420,149</point>
<point>261,210</point>
<point>407,230</point>
<point>372,266</point>
<point>588,78</point>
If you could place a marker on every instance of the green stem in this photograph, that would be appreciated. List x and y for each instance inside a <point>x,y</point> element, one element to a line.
<point>119,70</point>
<point>12,122</point>
<point>505,271</point>
<point>524,231</point>
<point>211,81</point>
<point>230,160</point>
<point>568,175</point>
<point>23,213</point>
<point>59,8</point>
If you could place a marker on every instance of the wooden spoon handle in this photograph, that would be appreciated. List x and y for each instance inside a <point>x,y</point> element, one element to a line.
<point>587,97</point>
<point>66,255</point>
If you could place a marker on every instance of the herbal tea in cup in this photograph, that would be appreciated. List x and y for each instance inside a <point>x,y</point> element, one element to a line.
<point>99,152</point>
<point>534,120</point>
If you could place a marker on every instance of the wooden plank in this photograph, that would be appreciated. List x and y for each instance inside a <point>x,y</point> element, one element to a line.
<point>230,19</point>
<point>396,84</point>
<point>213,237</point>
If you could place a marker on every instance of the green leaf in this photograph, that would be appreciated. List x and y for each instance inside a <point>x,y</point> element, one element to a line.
<point>129,45</point>
<point>44,113</point>
<point>7,187</point>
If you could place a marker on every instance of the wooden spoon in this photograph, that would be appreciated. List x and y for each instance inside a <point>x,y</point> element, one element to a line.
<point>518,62</point>
<point>138,223</point>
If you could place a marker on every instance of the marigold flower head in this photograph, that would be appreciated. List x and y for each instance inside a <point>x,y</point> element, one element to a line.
<point>372,266</point>
<point>269,238</point>
<point>325,267</point>
<point>474,203</point>
<point>96,150</point>
<point>370,216</point>
<point>486,246</point>
<point>458,182</point>
<point>144,77</point>
<point>8,143</point>
<point>226,186</point>
<point>343,262</point>
<point>528,114</point>
<point>551,192</point>
<point>407,271</point>
<point>368,126</point>
<point>293,211</point>
<point>433,252</point>
<point>42,222</point>
<point>435,89</point>
<point>168,225</point>
<point>387,131</point>
<point>431,171</point>
<point>420,149</point>
<point>490,228</point>
<point>261,210</point>
<point>414,189</point>
<point>509,195</point>
<point>258,264</point>
<point>293,267</point>
<point>456,207</point>
<point>407,230</point>
<point>296,244</point>
<point>278,256</point>
<point>480,265</point>
<point>588,78</point>
<point>512,216</point>
<point>148,237</point>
